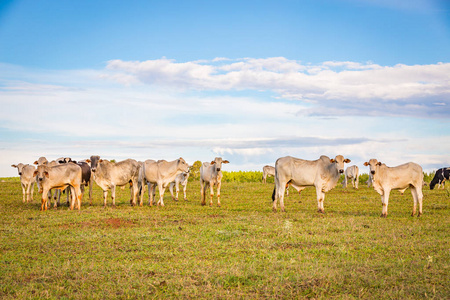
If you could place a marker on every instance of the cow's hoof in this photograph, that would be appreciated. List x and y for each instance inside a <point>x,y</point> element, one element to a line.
<point>383,216</point>
<point>321,211</point>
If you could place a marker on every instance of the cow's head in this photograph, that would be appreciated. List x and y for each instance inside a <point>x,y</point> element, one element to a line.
<point>19,168</point>
<point>41,173</point>
<point>41,161</point>
<point>95,159</point>
<point>183,165</point>
<point>218,163</point>
<point>339,160</point>
<point>373,164</point>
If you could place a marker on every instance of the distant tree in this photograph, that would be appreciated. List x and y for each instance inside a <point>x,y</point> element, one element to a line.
<point>195,170</point>
<point>113,160</point>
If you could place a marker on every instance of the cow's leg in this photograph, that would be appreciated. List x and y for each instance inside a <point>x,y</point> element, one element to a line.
<point>171,191</point>
<point>203,191</point>
<point>105,196</point>
<point>385,202</point>
<point>72,200</point>
<point>211,193</point>
<point>44,199</point>
<point>76,191</point>
<point>320,199</point>
<point>184,191</point>
<point>30,191</point>
<point>417,196</point>
<point>113,195</point>
<point>151,193</point>
<point>161,189</point>
<point>177,190</point>
<point>357,182</point>
<point>219,184</point>
<point>264,178</point>
<point>68,192</point>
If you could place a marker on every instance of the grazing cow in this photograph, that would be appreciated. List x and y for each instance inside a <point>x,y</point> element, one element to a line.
<point>59,177</point>
<point>161,173</point>
<point>211,175</point>
<point>108,175</point>
<point>440,177</point>
<point>323,173</point>
<point>352,174</point>
<point>400,178</point>
<point>27,180</point>
<point>268,171</point>
<point>182,179</point>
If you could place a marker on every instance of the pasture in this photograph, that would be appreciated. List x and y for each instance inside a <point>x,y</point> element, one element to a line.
<point>239,250</point>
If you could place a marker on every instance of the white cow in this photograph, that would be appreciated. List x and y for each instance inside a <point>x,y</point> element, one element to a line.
<point>161,173</point>
<point>182,179</point>
<point>211,175</point>
<point>399,178</point>
<point>268,171</point>
<point>59,177</point>
<point>323,173</point>
<point>108,175</point>
<point>27,180</point>
<point>352,174</point>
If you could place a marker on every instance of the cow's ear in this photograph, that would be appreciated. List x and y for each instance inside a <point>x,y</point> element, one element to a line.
<point>35,173</point>
<point>46,174</point>
<point>36,163</point>
<point>101,160</point>
<point>88,160</point>
<point>366,163</point>
<point>332,160</point>
<point>14,166</point>
<point>61,161</point>
<point>379,163</point>
<point>225,162</point>
<point>347,160</point>
<point>213,162</point>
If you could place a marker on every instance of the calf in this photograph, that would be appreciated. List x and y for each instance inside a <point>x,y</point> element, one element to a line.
<point>385,179</point>
<point>27,180</point>
<point>211,175</point>
<point>351,173</point>
<point>268,171</point>
<point>323,174</point>
<point>59,177</point>
<point>440,177</point>
<point>182,179</point>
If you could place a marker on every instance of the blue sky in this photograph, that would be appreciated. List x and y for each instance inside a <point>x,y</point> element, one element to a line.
<point>247,80</point>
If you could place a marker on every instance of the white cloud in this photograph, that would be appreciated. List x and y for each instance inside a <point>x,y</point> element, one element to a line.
<point>386,89</point>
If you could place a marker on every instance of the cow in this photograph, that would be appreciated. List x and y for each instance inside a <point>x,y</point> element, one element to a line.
<point>27,180</point>
<point>182,179</point>
<point>268,171</point>
<point>211,175</point>
<point>161,173</point>
<point>352,174</point>
<point>59,177</point>
<point>385,179</point>
<point>440,177</point>
<point>108,175</point>
<point>322,173</point>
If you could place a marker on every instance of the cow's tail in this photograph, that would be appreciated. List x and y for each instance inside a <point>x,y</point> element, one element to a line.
<point>273,194</point>
<point>140,179</point>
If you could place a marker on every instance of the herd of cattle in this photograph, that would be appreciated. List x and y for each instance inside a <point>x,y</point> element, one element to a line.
<point>64,174</point>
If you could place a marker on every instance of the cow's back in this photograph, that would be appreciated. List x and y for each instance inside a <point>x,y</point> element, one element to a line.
<point>400,176</point>
<point>299,171</point>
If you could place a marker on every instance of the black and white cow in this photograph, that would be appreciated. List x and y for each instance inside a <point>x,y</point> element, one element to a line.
<point>440,177</point>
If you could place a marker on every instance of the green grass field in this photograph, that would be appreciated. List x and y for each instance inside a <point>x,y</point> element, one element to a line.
<point>240,250</point>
